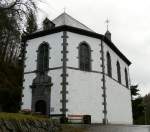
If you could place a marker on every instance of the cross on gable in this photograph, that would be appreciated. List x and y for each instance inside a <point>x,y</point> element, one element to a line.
<point>107,22</point>
<point>64,9</point>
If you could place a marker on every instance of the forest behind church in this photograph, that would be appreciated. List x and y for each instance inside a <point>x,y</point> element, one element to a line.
<point>17,19</point>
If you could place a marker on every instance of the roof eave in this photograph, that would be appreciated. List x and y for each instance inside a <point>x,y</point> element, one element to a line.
<point>79,31</point>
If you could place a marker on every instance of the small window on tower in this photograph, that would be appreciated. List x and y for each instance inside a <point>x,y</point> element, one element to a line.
<point>84,57</point>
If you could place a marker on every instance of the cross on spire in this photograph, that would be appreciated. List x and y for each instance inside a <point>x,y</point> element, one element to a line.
<point>107,22</point>
<point>64,9</point>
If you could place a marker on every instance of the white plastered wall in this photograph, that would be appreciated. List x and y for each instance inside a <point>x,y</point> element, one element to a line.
<point>85,94</point>
<point>84,88</point>
<point>26,99</point>
<point>118,103</point>
<point>73,42</point>
<point>114,59</point>
<point>56,88</point>
<point>54,41</point>
<point>118,95</point>
<point>55,56</point>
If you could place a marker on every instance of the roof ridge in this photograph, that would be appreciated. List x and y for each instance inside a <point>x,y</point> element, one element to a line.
<point>78,21</point>
<point>57,17</point>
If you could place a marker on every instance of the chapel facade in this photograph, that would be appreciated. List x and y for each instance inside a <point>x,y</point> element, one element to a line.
<point>69,69</point>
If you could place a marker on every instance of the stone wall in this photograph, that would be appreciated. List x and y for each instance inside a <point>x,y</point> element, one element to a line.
<point>13,125</point>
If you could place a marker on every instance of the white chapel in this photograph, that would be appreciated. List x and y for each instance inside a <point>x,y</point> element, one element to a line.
<point>71,70</point>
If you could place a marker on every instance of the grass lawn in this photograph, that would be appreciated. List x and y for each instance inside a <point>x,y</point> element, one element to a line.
<point>19,116</point>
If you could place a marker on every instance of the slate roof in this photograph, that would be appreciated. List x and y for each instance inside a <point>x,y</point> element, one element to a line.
<point>65,19</point>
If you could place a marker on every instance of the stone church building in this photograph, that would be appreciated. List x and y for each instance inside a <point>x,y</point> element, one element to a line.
<point>69,69</point>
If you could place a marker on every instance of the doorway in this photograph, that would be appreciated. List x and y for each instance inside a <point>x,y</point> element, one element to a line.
<point>40,106</point>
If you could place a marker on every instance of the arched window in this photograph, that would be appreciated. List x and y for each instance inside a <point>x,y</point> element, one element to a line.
<point>43,57</point>
<point>118,72</point>
<point>126,77</point>
<point>109,72</point>
<point>84,57</point>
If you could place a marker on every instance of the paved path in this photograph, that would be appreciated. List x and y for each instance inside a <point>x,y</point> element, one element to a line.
<point>119,128</point>
<point>114,128</point>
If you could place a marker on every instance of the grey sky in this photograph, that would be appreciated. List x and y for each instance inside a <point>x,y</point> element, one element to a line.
<point>129,25</point>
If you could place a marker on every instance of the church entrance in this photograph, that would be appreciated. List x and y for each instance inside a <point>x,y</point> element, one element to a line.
<point>41,92</point>
<point>40,106</point>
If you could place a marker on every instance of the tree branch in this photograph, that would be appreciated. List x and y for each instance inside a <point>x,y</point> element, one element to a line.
<point>10,6</point>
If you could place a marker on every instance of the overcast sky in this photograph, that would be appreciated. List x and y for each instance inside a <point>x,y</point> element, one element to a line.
<point>129,25</point>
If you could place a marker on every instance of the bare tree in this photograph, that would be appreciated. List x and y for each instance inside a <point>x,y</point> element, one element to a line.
<point>13,14</point>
